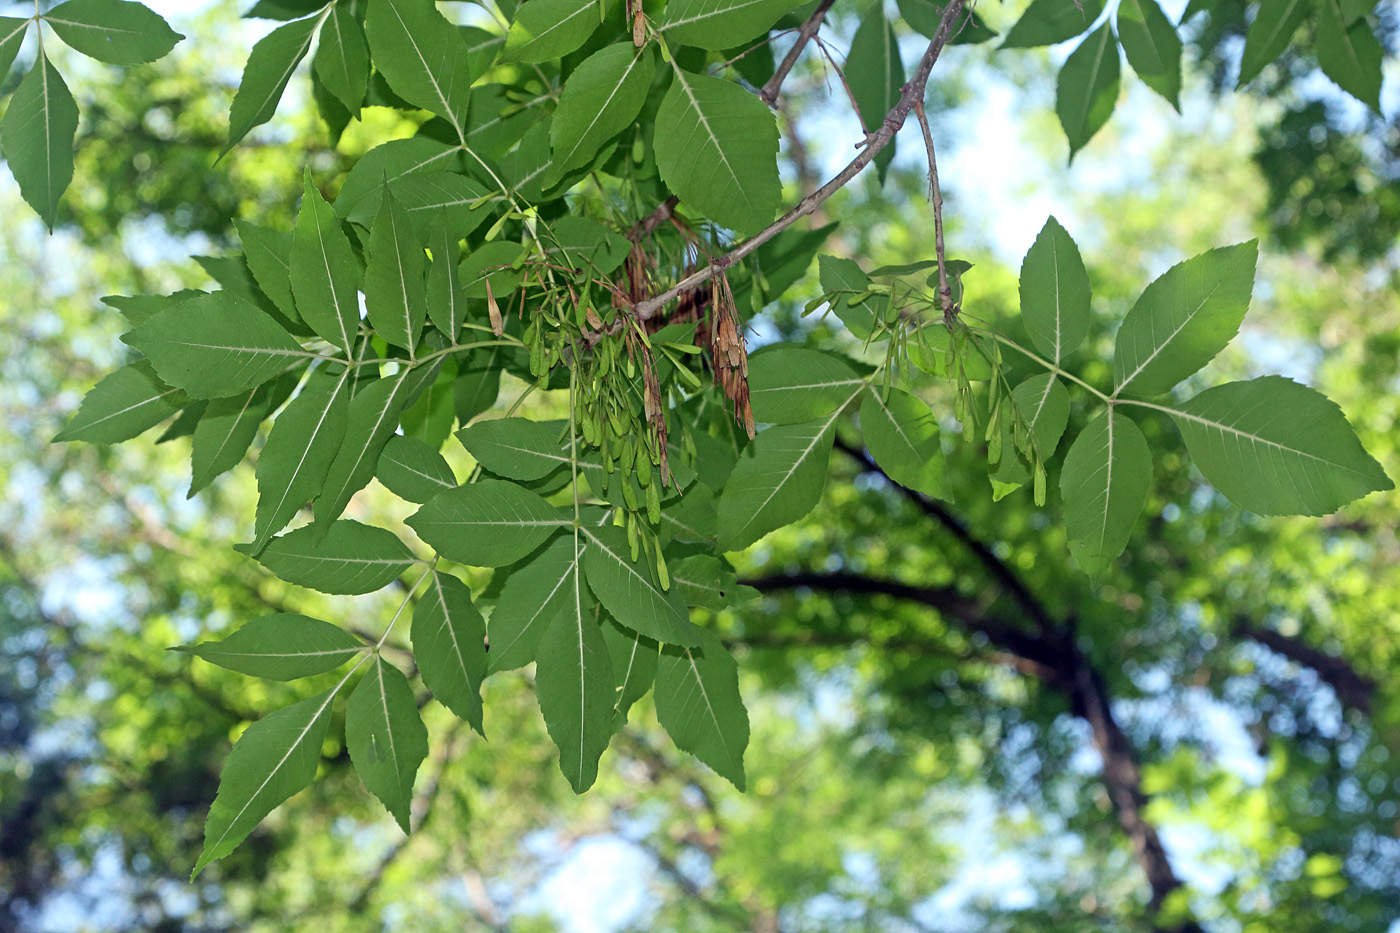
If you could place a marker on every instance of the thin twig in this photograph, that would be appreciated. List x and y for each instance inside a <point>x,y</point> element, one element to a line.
<point>945,294</point>
<point>894,120</point>
<point>769,93</point>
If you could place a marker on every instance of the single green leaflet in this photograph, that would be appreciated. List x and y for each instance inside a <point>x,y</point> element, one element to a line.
<point>282,646</point>
<point>1275,447</point>
<point>412,470</point>
<point>574,683</point>
<point>363,192</point>
<point>1269,33</point>
<point>449,644</point>
<point>1104,485</point>
<point>630,591</point>
<point>12,32</point>
<point>36,137</point>
<point>342,57</point>
<point>386,737</point>
<point>446,298</point>
<point>788,385</point>
<point>489,523</point>
<point>1152,46</point>
<point>1048,22</point>
<point>1044,402</point>
<point>634,659</point>
<point>602,98</point>
<point>300,448</point>
<point>422,56</point>
<point>721,24</point>
<point>117,32</point>
<point>348,560</point>
<point>396,293</point>
<point>1055,293</point>
<point>270,66</point>
<point>1349,53</point>
<point>125,403</point>
<point>1183,319</point>
<point>215,345</point>
<point>518,448</point>
<point>843,279</point>
<point>901,433</point>
<point>544,30</point>
<point>273,759</point>
<point>533,595</point>
<point>1087,90</point>
<point>324,274</point>
<point>229,425</point>
<point>699,706</point>
<point>778,479</point>
<point>875,75</point>
<point>371,419</point>
<point>266,252</point>
<point>703,580</point>
<point>717,149</point>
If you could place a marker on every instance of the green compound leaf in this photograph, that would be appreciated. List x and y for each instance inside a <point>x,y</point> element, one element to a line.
<point>602,98</point>
<point>36,137</point>
<point>342,58</point>
<point>1087,90</point>
<point>574,683</point>
<point>300,448</point>
<point>788,385</point>
<point>113,31</point>
<point>1349,53</point>
<point>489,523</point>
<point>324,274</point>
<point>282,646</point>
<point>229,425</point>
<point>1275,447</point>
<point>778,479</point>
<point>629,590</point>
<point>1055,293</point>
<point>721,24</point>
<point>902,434</point>
<point>449,644</point>
<point>349,560</point>
<point>875,75</point>
<point>1047,22</point>
<point>1044,403</point>
<point>396,292</point>
<point>545,30</point>
<point>270,66</point>
<point>125,403</point>
<point>214,346</point>
<point>386,737</point>
<point>1183,319</point>
<point>717,149</point>
<point>517,448</point>
<point>371,420</point>
<point>634,660</point>
<point>273,759</point>
<point>1152,46</point>
<point>422,56</point>
<point>412,470</point>
<point>532,597</point>
<point>1273,27</point>
<point>699,706</point>
<point>1104,485</point>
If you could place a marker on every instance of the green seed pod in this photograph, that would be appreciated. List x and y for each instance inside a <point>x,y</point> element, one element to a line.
<point>643,467</point>
<point>663,576</point>
<point>629,493</point>
<point>1039,484</point>
<point>654,504</point>
<point>632,540</point>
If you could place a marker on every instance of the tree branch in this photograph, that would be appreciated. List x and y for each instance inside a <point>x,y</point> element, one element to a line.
<point>894,120</point>
<point>769,92</point>
<point>1354,690</point>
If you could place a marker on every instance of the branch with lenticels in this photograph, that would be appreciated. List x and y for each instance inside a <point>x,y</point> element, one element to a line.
<point>769,93</point>
<point>911,94</point>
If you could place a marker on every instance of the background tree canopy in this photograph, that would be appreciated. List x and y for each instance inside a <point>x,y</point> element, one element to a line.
<point>594,377</point>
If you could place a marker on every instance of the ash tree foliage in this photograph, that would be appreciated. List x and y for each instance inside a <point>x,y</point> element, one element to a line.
<point>592,205</point>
